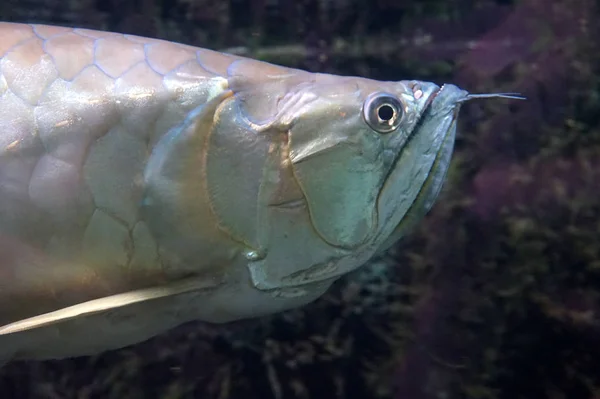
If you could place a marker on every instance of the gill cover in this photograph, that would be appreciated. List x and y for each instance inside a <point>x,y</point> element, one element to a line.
<point>343,145</point>
<point>338,162</point>
<point>336,158</point>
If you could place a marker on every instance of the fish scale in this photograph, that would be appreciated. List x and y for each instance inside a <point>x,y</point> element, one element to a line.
<point>128,96</point>
<point>118,60</point>
<point>145,183</point>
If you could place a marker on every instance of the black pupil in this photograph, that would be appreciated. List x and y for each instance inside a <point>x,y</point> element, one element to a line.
<point>385,112</point>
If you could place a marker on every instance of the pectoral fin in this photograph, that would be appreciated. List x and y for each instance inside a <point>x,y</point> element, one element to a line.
<point>105,304</point>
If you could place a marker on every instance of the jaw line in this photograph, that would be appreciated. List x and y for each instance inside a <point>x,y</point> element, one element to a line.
<point>379,243</point>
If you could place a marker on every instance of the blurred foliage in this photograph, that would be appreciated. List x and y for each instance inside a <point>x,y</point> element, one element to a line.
<point>496,293</point>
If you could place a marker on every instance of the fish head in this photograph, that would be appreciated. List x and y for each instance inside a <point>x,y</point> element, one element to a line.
<point>366,154</point>
<point>311,174</point>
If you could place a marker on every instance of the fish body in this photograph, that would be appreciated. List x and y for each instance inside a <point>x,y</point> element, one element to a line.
<point>144,184</point>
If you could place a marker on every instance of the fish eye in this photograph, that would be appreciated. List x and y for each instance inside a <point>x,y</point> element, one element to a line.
<point>382,112</point>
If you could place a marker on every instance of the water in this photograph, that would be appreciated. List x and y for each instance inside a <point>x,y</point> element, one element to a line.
<point>494,295</point>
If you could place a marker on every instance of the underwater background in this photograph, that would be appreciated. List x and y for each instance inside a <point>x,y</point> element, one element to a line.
<point>496,294</point>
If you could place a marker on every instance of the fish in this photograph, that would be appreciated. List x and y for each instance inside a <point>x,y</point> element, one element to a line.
<point>145,184</point>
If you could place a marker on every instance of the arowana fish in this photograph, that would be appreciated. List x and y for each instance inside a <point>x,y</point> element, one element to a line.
<point>144,184</point>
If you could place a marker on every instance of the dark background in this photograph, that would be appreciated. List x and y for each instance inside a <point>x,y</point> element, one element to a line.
<point>495,295</point>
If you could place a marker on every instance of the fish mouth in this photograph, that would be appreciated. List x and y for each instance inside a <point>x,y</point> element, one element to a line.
<point>427,194</point>
<point>445,147</point>
<point>429,101</point>
<point>430,187</point>
<point>448,100</point>
<point>424,199</point>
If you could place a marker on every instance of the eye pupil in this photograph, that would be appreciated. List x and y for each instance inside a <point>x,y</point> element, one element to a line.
<point>385,112</point>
